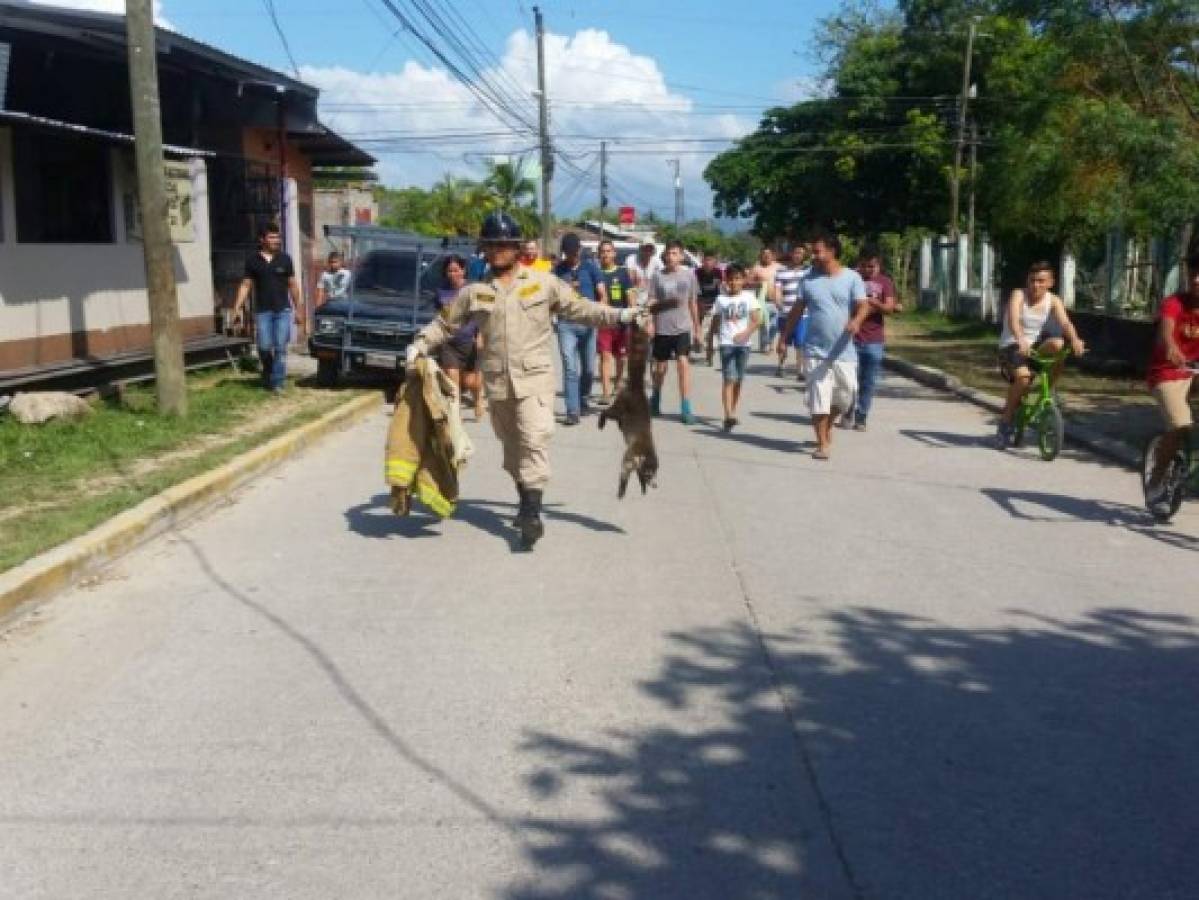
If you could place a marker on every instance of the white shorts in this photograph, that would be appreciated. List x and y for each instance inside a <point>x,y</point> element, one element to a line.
<point>830,385</point>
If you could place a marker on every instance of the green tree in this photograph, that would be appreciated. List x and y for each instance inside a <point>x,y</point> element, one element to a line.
<point>1088,113</point>
<point>508,184</point>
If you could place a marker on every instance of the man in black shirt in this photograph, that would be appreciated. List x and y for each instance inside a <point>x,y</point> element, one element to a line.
<point>272,276</point>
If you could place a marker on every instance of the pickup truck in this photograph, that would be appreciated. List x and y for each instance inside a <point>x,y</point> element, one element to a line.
<point>393,294</point>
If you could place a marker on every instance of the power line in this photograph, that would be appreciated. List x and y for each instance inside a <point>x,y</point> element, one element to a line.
<point>492,100</point>
<point>270,11</point>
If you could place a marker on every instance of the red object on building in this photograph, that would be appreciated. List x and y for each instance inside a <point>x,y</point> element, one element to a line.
<point>628,215</point>
<point>362,216</point>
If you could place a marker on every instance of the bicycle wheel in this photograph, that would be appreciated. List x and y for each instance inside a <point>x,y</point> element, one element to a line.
<point>1051,431</point>
<point>1165,501</point>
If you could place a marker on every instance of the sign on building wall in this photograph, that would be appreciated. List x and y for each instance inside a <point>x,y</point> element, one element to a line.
<point>180,212</point>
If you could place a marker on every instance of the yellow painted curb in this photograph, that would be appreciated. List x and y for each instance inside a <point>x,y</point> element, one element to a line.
<point>56,570</point>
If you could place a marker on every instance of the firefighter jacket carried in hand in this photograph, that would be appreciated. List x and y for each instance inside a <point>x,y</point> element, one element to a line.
<point>426,445</point>
<point>516,319</point>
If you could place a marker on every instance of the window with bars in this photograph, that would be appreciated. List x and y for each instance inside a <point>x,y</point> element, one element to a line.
<point>63,191</point>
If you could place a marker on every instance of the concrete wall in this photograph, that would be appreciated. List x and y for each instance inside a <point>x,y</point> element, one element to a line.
<point>59,301</point>
<point>344,206</point>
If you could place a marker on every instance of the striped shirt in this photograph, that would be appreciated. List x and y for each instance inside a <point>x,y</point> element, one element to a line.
<point>788,280</point>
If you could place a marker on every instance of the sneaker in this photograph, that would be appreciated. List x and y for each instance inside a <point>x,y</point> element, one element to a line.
<point>604,400</point>
<point>859,425</point>
<point>1003,435</point>
<point>571,419</point>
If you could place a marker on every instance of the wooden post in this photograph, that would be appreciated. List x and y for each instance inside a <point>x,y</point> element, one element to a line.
<point>955,184</point>
<point>547,151</point>
<point>169,379</point>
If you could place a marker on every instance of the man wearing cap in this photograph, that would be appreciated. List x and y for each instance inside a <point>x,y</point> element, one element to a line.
<point>515,312</point>
<point>576,342</point>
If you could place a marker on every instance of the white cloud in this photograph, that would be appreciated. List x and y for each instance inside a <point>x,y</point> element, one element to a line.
<point>598,89</point>
<point>108,6</point>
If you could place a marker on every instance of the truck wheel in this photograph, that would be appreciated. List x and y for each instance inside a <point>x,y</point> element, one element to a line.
<point>327,373</point>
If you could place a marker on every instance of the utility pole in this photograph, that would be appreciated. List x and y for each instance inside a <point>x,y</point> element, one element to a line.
<point>973,181</point>
<point>169,381</point>
<point>955,187</point>
<point>547,151</point>
<point>678,193</point>
<point>603,184</point>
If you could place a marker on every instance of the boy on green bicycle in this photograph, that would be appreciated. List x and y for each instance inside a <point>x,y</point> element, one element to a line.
<point>1025,327</point>
<point>1170,378</point>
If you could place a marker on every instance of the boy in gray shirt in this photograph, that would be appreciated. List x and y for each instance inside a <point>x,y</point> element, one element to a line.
<point>673,300</point>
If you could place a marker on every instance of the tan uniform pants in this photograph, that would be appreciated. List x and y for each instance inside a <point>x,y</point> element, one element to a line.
<point>524,428</point>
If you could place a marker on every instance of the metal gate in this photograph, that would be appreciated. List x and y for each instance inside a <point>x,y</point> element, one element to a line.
<point>244,195</point>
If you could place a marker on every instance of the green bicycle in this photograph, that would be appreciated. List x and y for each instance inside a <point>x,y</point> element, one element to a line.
<point>1039,407</point>
<point>1181,476</point>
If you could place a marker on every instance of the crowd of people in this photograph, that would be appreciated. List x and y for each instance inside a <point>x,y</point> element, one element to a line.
<point>830,314</point>
<point>812,307</point>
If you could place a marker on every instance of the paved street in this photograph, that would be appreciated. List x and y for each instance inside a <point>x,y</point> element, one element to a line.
<point>924,669</point>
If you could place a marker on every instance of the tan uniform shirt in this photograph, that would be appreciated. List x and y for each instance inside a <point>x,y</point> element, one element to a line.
<point>516,322</point>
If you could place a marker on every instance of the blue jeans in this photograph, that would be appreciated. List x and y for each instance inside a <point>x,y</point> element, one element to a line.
<point>733,361</point>
<point>870,363</point>
<point>769,329</point>
<point>274,332</point>
<point>577,345</point>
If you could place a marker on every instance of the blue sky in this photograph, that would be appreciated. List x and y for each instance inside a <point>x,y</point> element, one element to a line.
<point>659,77</point>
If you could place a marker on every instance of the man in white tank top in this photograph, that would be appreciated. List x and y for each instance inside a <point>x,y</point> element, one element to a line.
<point>1026,326</point>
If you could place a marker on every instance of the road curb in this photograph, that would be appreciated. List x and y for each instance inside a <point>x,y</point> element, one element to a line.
<point>1077,433</point>
<point>54,571</point>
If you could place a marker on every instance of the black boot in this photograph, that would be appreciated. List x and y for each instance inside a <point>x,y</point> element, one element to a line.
<point>522,510</point>
<point>531,528</point>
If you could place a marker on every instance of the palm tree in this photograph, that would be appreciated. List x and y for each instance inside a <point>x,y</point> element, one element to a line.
<point>459,205</point>
<point>508,184</point>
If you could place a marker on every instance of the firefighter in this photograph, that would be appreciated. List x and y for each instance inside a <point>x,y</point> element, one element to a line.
<point>515,310</point>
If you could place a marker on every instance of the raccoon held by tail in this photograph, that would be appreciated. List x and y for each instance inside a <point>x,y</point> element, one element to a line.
<point>630,411</point>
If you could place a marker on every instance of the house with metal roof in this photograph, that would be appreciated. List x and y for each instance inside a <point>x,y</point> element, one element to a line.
<point>243,147</point>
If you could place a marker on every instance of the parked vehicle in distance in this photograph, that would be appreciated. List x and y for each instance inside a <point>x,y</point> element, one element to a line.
<point>393,294</point>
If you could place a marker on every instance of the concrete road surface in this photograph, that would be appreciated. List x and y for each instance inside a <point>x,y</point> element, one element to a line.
<point>925,669</point>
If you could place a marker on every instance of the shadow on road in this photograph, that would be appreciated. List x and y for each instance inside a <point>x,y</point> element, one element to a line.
<point>1039,506</point>
<point>785,418</point>
<point>740,436</point>
<point>944,439</point>
<point>374,519</point>
<point>1047,759</point>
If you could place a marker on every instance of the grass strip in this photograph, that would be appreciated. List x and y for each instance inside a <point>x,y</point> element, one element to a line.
<point>61,479</point>
<point>1118,406</point>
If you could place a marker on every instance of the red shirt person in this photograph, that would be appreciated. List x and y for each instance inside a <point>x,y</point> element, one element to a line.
<point>880,293</point>
<point>1170,378</point>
